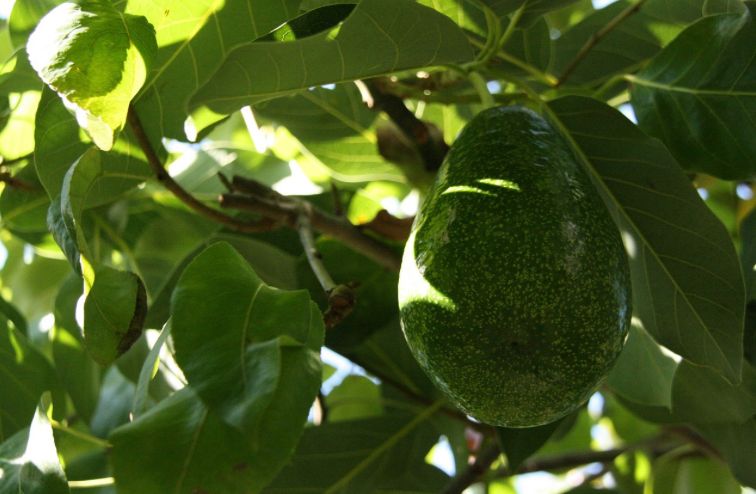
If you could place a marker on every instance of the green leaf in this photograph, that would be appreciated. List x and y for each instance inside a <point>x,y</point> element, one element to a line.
<point>9,312</point>
<point>78,374</point>
<point>699,96</point>
<point>643,372</point>
<point>148,371</point>
<point>181,447</point>
<point>687,282</point>
<point>97,59</point>
<point>636,39</point>
<point>194,39</point>
<point>89,180</point>
<point>17,136</point>
<point>261,372</point>
<point>114,313</point>
<point>60,144</point>
<point>32,279</point>
<point>531,9</point>
<point>748,253</point>
<point>379,37</point>
<point>376,292</point>
<point>29,461</point>
<point>25,16</point>
<point>64,235</point>
<point>24,210</point>
<point>386,356</point>
<point>26,374</point>
<point>675,473</point>
<point>737,443</point>
<point>520,444</point>
<point>359,456</point>
<point>467,15</point>
<point>357,397</point>
<point>702,396</point>
<point>337,127</point>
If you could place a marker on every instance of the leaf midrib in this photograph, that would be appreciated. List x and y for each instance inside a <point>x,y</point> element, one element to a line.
<point>686,90</point>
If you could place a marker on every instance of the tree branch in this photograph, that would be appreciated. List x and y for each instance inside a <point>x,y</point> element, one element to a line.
<point>341,298</point>
<point>473,472</point>
<point>285,210</point>
<point>169,183</point>
<point>596,38</point>
<point>16,183</point>
<point>432,149</point>
<point>275,208</point>
<point>656,446</point>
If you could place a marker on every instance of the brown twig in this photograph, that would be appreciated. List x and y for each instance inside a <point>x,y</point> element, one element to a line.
<point>656,446</point>
<point>596,38</point>
<point>431,149</point>
<point>285,210</point>
<point>473,472</point>
<point>169,183</point>
<point>16,183</point>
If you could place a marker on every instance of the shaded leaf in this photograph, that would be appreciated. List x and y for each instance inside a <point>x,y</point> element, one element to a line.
<point>702,396</point>
<point>9,312</point>
<point>532,9</point>
<point>692,475</point>
<point>96,58</point>
<point>23,209</point>
<point>64,235</point>
<point>26,374</point>
<point>337,127</point>
<point>637,38</point>
<point>699,96</point>
<point>357,397</point>
<point>180,446</point>
<point>379,37</point>
<point>643,372</point>
<point>261,373</point>
<point>375,292</point>
<point>687,282</point>
<point>79,375</point>
<point>359,455</point>
<point>737,443</point>
<point>519,444</point>
<point>114,313</point>
<point>29,461</point>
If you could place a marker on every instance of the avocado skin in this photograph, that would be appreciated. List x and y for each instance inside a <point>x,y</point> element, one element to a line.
<point>514,291</point>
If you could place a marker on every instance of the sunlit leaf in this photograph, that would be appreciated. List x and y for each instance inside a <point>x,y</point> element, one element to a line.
<point>29,460</point>
<point>97,59</point>
<point>379,37</point>
<point>194,39</point>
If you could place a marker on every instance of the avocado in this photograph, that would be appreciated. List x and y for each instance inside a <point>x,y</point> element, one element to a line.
<point>514,290</point>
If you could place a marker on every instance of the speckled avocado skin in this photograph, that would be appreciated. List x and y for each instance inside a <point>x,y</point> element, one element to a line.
<point>514,290</point>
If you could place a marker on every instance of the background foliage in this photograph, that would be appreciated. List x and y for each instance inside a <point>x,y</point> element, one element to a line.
<point>198,197</point>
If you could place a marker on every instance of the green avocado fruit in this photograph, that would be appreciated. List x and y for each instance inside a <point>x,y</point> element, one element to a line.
<point>514,291</point>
